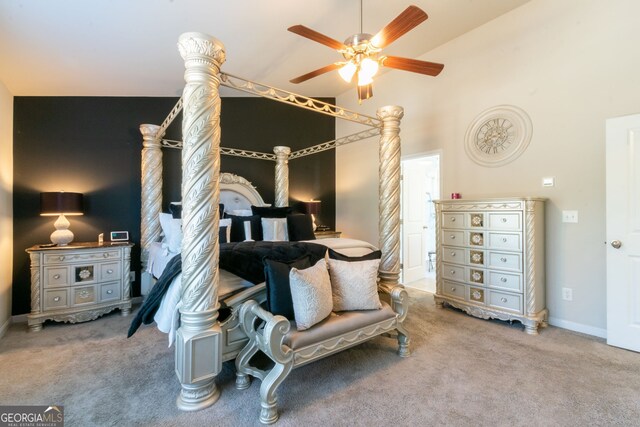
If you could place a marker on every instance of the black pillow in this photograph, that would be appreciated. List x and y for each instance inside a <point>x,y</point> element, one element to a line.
<point>222,234</point>
<point>175,209</point>
<point>368,257</point>
<point>221,210</point>
<point>237,227</point>
<point>271,212</point>
<point>276,274</point>
<point>300,227</point>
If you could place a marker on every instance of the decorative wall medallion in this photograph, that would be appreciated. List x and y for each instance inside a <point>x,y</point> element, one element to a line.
<point>498,135</point>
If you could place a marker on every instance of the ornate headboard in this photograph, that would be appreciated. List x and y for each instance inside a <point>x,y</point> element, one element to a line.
<point>238,193</point>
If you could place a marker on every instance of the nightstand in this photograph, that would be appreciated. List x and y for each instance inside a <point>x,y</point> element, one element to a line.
<point>79,282</point>
<point>327,234</point>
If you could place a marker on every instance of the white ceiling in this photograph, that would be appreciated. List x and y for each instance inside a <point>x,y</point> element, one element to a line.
<point>128,47</point>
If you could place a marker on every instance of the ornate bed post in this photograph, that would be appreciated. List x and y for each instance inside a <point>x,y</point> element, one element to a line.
<point>389,195</point>
<point>198,346</point>
<point>282,175</point>
<point>151,197</point>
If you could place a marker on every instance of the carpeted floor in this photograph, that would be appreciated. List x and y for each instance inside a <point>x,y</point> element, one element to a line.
<point>463,371</point>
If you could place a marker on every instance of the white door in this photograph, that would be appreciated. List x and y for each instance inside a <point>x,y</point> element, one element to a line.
<point>623,232</point>
<point>414,256</point>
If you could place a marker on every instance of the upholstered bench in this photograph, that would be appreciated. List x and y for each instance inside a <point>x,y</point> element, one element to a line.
<point>278,338</point>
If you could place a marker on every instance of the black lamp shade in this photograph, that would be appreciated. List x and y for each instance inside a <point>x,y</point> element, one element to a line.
<point>60,203</point>
<point>312,207</point>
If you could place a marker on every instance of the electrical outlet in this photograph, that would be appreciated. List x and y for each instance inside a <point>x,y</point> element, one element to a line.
<point>567,294</point>
<point>132,276</point>
<point>570,216</point>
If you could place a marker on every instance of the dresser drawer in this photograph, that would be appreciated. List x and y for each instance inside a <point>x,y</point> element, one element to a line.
<point>56,277</point>
<point>57,258</point>
<point>505,221</point>
<point>110,291</point>
<point>453,272</point>
<point>456,290</point>
<point>505,261</point>
<point>506,241</point>
<point>82,295</point>
<point>510,281</point>
<point>109,271</point>
<point>454,255</point>
<point>452,238</point>
<point>452,220</point>
<point>476,276</point>
<point>56,298</point>
<point>506,301</point>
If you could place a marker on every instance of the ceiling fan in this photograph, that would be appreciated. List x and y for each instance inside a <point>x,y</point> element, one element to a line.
<point>362,52</point>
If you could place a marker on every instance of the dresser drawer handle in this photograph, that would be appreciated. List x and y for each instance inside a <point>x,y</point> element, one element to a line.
<point>453,237</point>
<point>56,299</point>
<point>106,255</point>
<point>61,257</point>
<point>453,219</point>
<point>504,239</point>
<point>504,219</point>
<point>503,299</point>
<point>503,259</point>
<point>453,289</point>
<point>110,291</point>
<point>503,279</point>
<point>56,276</point>
<point>453,254</point>
<point>109,271</point>
<point>453,272</point>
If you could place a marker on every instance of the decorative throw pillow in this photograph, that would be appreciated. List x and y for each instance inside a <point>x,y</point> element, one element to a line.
<point>368,257</point>
<point>354,284</point>
<point>271,212</point>
<point>226,225</point>
<point>311,294</point>
<point>276,275</point>
<point>275,229</point>
<point>172,229</point>
<point>239,229</point>
<point>176,209</point>
<point>300,227</point>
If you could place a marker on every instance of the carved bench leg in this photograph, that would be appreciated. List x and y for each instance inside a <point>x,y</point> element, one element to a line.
<point>268,400</point>
<point>403,341</point>
<point>243,380</point>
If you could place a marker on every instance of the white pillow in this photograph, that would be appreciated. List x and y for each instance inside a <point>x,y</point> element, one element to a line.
<point>241,212</point>
<point>311,294</point>
<point>172,229</point>
<point>275,229</point>
<point>226,223</point>
<point>354,284</point>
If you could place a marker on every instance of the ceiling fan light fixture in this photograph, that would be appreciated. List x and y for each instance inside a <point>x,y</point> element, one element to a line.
<point>368,68</point>
<point>347,71</point>
<point>365,92</point>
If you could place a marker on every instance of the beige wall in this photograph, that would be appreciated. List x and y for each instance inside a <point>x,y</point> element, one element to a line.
<point>570,64</point>
<point>6,205</point>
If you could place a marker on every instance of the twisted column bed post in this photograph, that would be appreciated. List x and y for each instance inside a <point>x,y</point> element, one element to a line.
<point>198,340</point>
<point>151,197</point>
<point>389,195</point>
<point>282,175</point>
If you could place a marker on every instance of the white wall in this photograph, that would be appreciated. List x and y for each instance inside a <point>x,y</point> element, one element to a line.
<point>570,64</point>
<point>6,205</point>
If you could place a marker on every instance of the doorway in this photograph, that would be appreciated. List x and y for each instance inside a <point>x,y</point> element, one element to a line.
<point>420,186</point>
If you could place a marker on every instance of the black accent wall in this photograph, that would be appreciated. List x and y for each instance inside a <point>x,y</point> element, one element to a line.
<point>92,146</point>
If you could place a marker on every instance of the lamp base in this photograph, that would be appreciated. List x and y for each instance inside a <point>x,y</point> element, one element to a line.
<point>62,236</point>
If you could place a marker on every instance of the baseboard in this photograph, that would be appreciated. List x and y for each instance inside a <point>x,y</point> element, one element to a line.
<point>19,318</point>
<point>4,327</point>
<point>578,327</point>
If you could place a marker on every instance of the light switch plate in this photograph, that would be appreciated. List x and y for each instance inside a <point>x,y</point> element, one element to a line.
<point>548,181</point>
<point>570,216</point>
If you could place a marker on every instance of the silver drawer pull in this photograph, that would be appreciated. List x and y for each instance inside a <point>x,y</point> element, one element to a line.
<point>61,257</point>
<point>56,299</point>
<point>109,271</point>
<point>453,289</point>
<point>453,254</point>
<point>453,219</point>
<point>453,272</point>
<point>106,255</point>
<point>503,299</point>
<point>504,219</point>
<point>56,276</point>
<point>503,259</point>
<point>453,237</point>
<point>110,291</point>
<point>503,279</point>
<point>504,239</point>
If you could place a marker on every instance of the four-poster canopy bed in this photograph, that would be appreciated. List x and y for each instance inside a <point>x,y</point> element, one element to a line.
<point>202,341</point>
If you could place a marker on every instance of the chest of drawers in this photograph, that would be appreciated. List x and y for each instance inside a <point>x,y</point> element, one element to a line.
<point>79,282</point>
<point>490,259</point>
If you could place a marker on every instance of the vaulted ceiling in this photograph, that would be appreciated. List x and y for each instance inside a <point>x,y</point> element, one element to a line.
<point>128,47</point>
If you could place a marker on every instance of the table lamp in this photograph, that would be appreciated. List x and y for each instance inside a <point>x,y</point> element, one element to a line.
<point>61,203</point>
<point>312,207</point>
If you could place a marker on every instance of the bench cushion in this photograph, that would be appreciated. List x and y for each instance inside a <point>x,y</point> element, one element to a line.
<point>336,324</point>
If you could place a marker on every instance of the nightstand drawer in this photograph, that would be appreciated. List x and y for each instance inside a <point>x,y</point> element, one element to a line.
<point>110,291</point>
<point>56,298</point>
<point>506,301</point>
<point>453,272</point>
<point>505,221</point>
<point>505,261</point>
<point>109,271</point>
<point>56,277</point>
<point>83,295</point>
<point>452,289</point>
<point>57,258</point>
<point>506,241</point>
<point>452,220</point>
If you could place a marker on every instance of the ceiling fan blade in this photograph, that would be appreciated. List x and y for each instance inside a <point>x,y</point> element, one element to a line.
<point>413,65</point>
<point>303,31</point>
<point>316,73</point>
<point>405,22</point>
